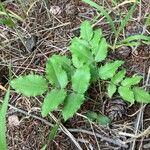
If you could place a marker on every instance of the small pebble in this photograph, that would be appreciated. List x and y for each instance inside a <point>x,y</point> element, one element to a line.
<point>30,43</point>
<point>13,120</point>
<point>55,10</point>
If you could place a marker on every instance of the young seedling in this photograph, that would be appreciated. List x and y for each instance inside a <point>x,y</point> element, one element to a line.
<point>88,63</point>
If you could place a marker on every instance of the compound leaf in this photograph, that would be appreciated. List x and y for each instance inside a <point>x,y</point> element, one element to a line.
<point>131,81</point>
<point>55,73</point>
<point>108,70</point>
<point>86,31</point>
<point>4,107</point>
<point>111,89</point>
<point>81,79</point>
<point>118,77</point>
<point>53,100</point>
<point>30,85</point>
<point>72,104</point>
<point>141,95</point>
<point>126,93</point>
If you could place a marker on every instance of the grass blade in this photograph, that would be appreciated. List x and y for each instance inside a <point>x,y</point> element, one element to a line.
<point>53,132</point>
<point>126,19</point>
<point>44,147</point>
<point>3,143</point>
<point>147,23</point>
<point>103,11</point>
<point>136,38</point>
<point>130,44</point>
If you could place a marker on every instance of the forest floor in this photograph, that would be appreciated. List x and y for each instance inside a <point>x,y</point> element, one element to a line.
<point>48,29</point>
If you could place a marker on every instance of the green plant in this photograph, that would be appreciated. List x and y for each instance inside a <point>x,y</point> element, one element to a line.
<point>98,118</point>
<point>88,64</point>
<point>3,111</point>
<point>134,40</point>
<point>8,16</point>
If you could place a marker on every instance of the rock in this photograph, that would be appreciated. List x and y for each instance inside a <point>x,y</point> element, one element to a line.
<point>13,120</point>
<point>55,10</point>
<point>30,43</point>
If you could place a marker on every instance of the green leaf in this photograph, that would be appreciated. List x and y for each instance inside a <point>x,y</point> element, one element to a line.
<point>94,73</point>
<point>55,73</point>
<point>86,31</point>
<point>30,85</point>
<point>131,81</point>
<point>3,111</point>
<point>65,63</point>
<point>103,11</point>
<point>103,120</point>
<point>7,22</point>
<point>72,105</point>
<point>80,51</point>
<point>101,53</point>
<point>91,115</point>
<point>53,100</point>
<point>118,77</point>
<point>76,62</point>
<point>126,93</point>
<point>141,95</point>
<point>108,70</point>
<point>81,79</point>
<point>96,40</point>
<point>111,89</point>
<point>147,23</point>
<point>83,42</point>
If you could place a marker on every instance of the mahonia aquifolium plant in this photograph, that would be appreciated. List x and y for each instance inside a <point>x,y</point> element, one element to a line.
<point>88,64</point>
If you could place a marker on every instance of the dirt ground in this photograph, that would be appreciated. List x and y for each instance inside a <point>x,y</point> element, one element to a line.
<point>47,30</point>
